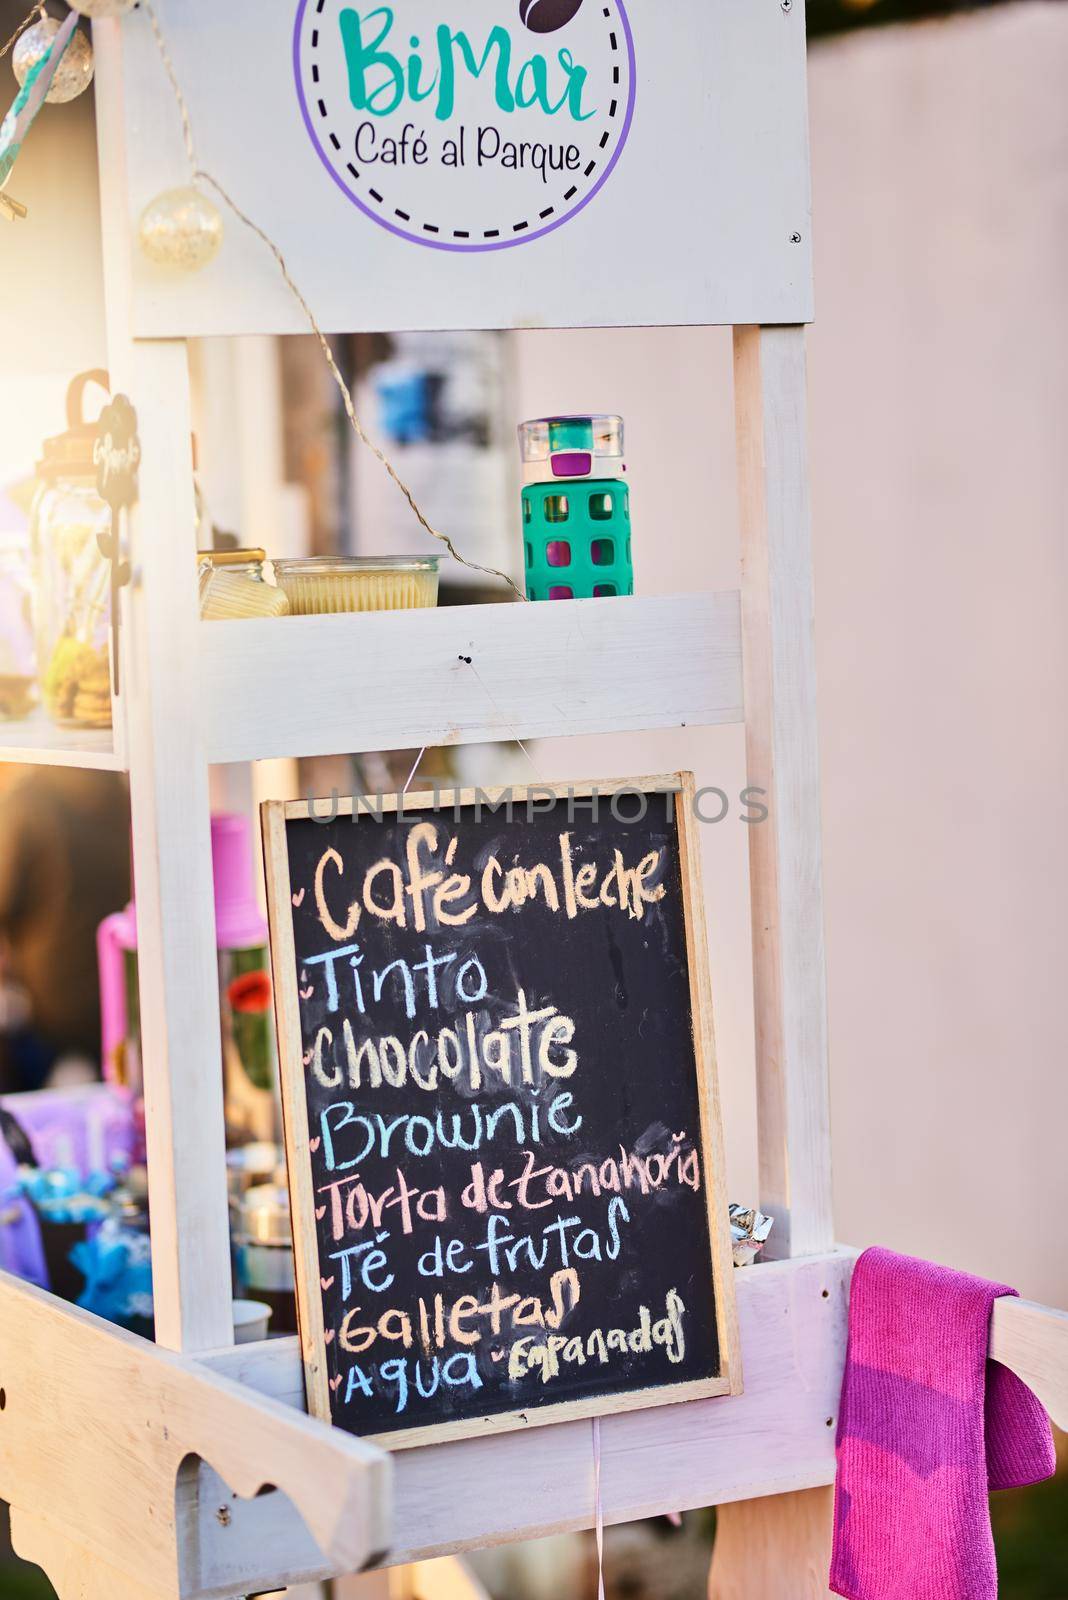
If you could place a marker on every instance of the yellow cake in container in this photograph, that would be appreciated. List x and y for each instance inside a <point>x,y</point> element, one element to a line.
<point>319,585</point>
<point>232,584</point>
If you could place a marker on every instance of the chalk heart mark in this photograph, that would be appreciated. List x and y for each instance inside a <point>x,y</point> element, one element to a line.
<point>335,1383</point>
<point>328,1336</point>
<point>306,994</point>
<point>320,1213</point>
<point>325,1284</point>
<point>313,1144</point>
<point>298,899</point>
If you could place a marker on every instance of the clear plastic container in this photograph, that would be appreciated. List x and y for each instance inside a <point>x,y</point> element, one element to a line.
<point>71,577</point>
<point>319,585</point>
<point>232,584</point>
<point>72,603</point>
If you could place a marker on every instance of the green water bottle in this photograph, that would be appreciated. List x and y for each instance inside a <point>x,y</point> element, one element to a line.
<point>576,509</point>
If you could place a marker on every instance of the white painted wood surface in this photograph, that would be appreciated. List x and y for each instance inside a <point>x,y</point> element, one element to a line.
<point>394,680</point>
<point>1033,1341</point>
<point>790,992</point>
<point>776,1437</point>
<point>778,1548</point>
<point>177,962</point>
<point>96,1422</point>
<point>698,219</point>
<point>38,742</point>
<point>448,1578</point>
<point>75,1572</point>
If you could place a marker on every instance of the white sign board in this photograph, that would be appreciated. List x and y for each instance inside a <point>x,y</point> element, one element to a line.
<point>481,163</point>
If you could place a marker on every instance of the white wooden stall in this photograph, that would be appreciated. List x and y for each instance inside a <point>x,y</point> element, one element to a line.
<point>133,1469</point>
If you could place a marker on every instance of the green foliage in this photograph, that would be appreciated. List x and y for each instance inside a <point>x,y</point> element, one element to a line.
<point>1031,1533</point>
<point>21,1582</point>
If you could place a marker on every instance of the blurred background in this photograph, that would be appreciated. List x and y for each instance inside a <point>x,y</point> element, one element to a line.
<point>938,412</point>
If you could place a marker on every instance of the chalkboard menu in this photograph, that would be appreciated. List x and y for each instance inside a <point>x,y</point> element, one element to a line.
<point>500,1104</point>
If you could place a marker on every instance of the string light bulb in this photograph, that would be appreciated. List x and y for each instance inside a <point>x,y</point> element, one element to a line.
<point>181,228</point>
<point>75,71</point>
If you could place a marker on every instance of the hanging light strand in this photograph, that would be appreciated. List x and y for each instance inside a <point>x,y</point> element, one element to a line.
<point>200,175</point>
<point>37,13</point>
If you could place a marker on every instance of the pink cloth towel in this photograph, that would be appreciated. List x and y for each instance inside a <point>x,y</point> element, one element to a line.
<point>927,1425</point>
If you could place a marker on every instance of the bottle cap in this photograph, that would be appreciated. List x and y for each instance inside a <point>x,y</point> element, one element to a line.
<point>562,448</point>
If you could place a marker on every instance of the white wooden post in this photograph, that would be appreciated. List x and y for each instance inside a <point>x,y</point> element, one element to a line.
<point>177,960</point>
<point>779,1548</point>
<point>177,963</point>
<point>783,758</point>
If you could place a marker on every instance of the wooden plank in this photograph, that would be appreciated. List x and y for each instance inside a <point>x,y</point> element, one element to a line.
<point>97,1422</point>
<point>467,674</point>
<point>177,962</point>
<point>36,741</point>
<point>75,1572</point>
<point>294,1106</point>
<point>708,207</point>
<point>1033,1341</point>
<point>448,1578</point>
<point>775,1443</point>
<point>783,759</point>
<point>776,1437</point>
<point>713,1154</point>
<point>778,1548</point>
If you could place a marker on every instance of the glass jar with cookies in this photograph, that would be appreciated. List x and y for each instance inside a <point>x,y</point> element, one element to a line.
<point>71,574</point>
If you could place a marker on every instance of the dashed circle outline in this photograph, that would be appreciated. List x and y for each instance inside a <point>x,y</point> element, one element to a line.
<point>457,244</point>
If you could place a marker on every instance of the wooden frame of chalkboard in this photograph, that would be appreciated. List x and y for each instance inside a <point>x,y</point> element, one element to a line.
<point>697,1162</point>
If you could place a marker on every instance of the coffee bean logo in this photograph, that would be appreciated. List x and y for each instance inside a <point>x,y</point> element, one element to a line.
<point>545,16</point>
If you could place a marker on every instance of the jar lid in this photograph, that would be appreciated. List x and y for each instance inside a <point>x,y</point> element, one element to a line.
<point>597,434</point>
<point>571,447</point>
<point>316,566</point>
<point>232,558</point>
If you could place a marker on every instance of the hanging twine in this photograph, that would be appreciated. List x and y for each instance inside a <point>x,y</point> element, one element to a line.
<point>38,13</point>
<point>199,174</point>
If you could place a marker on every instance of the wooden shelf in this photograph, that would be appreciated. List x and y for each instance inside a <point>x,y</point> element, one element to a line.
<point>339,685</point>
<point>776,1437</point>
<point>36,740</point>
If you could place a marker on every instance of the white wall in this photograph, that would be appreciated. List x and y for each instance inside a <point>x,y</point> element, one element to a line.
<point>940,405</point>
<point>51,285</point>
<point>673,388</point>
<point>940,410</point>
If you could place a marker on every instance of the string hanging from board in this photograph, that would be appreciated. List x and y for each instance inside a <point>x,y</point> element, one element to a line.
<point>598,1506</point>
<point>31,16</point>
<point>200,175</point>
<point>468,661</point>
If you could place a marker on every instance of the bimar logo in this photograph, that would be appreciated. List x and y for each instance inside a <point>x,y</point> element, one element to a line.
<point>459,130</point>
